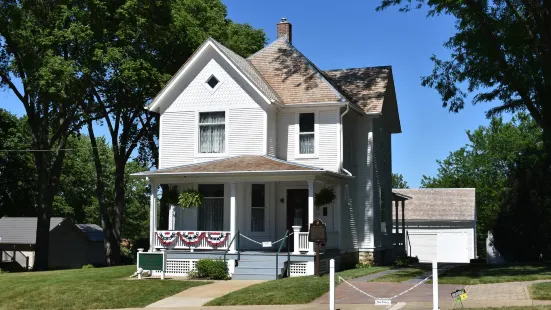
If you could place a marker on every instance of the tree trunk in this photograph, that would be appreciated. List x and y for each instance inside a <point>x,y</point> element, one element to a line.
<point>111,246</point>
<point>120,200</point>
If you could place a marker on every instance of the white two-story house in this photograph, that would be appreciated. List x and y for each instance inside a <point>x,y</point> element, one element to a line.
<point>258,138</point>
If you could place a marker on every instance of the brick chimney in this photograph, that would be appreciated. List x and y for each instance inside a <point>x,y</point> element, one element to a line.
<point>285,29</point>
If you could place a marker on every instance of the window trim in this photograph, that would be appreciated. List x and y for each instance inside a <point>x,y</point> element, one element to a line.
<point>198,135</point>
<point>212,90</point>
<point>267,209</point>
<point>315,155</point>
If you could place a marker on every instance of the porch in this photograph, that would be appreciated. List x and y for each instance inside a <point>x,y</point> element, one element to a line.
<point>263,214</point>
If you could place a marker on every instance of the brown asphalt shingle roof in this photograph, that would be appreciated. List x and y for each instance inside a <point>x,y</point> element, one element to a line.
<point>246,163</point>
<point>437,204</point>
<point>365,87</point>
<point>293,77</point>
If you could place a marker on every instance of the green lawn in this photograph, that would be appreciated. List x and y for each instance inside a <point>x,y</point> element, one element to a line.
<point>84,289</point>
<point>298,290</point>
<point>402,275</point>
<point>480,274</point>
<point>541,291</point>
<point>515,308</point>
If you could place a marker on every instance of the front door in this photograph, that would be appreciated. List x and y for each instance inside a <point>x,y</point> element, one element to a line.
<point>297,209</point>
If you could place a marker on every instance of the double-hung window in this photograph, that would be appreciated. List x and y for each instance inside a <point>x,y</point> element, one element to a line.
<point>307,134</point>
<point>258,207</point>
<point>211,212</point>
<point>212,132</point>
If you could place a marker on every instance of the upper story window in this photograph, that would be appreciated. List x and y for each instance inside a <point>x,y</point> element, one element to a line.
<point>212,132</point>
<point>307,135</point>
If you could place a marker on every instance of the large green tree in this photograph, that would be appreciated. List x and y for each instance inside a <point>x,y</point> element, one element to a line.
<point>140,45</point>
<point>485,164</point>
<point>38,43</point>
<point>501,50</point>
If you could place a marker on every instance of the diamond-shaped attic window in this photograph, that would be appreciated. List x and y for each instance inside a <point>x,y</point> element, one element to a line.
<point>213,81</point>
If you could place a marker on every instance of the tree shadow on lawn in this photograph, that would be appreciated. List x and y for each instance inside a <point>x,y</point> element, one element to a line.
<point>484,273</point>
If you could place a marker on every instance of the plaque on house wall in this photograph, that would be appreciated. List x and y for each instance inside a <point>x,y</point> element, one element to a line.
<point>317,231</point>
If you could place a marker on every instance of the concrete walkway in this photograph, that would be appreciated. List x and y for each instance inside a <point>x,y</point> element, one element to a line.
<point>199,295</point>
<point>376,275</point>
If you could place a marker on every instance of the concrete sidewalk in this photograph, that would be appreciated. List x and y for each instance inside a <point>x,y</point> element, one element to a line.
<point>199,295</point>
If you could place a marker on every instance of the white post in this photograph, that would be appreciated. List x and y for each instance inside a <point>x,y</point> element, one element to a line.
<point>152,215</point>
<point>172,217</point>
<point>164,265</point>
<point>310,212</point>
<point>435,285</point>
<point>138,264</point>
<point>233,229</point>
<point>296,230</point>
<point>331,284</point>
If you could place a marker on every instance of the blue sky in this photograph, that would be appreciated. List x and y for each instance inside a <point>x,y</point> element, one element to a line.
<point>346,34</point>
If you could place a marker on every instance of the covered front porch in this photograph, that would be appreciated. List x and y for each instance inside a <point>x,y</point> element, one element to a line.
<point>251,205</point>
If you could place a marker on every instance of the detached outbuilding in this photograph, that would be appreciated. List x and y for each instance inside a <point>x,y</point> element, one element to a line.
<point>440,223</point>
<point>71,245</point>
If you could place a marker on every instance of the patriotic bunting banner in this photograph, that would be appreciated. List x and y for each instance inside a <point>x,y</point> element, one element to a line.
<point>167,237</point>
<point>191,238</point>
<point>215,238</point>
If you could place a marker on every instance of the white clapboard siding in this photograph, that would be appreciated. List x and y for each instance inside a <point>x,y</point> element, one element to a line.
<point>364,183</point>
<point>272,133</point>
<point>327,135</point>
<point>246,131</point>
<point>177,139</point>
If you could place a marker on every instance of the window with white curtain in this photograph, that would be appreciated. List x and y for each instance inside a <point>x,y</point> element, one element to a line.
<point>212,132</point>
<point>306,135</point>
<point>258,207</point>
<point>211,212</point>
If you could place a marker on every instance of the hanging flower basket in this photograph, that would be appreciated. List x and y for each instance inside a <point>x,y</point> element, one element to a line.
<point>190,198</point>
<point>324,197</point>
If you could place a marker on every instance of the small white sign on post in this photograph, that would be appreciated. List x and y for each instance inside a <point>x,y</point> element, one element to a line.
<point>267,244</point>
<point>383,302</point>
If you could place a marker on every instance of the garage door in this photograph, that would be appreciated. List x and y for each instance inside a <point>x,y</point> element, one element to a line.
<point>446,247</point>
<point>423,246</point>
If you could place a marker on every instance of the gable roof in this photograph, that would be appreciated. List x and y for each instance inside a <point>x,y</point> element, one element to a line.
<point>439,204</point>
<point>293,76</point>
<point>22,230</point>
<point>92,231</point>
<point>365,87</point>
<point>248,72</point>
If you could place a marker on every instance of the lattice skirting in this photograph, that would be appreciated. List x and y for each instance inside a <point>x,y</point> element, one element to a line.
<point>179,267</point>
<point>299,269</point>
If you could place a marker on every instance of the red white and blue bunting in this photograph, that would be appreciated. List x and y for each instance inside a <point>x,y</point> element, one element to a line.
<point>216,238</point>
<point>191,238</point>
<point>167,237</point>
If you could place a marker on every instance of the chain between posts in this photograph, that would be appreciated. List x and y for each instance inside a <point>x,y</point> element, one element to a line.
<point>395,296</point>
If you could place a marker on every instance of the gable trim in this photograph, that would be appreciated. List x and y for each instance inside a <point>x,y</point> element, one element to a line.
<point>156,102</point>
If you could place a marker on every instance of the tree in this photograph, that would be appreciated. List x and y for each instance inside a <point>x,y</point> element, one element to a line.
<point>484,164</point>
<point>140,45</point>
<point>17,169</point>
<point>38,40</point>
<point>501,50</point>
<point>398,181</point>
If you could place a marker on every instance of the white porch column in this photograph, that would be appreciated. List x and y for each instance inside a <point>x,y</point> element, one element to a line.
<point>172,217</point>
<point>310,212</point>
<point>152,214</point>
<point>233,226</point>
<point>296,230</point>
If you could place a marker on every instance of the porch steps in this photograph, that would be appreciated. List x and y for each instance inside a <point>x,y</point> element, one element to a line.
<point>259,267</point>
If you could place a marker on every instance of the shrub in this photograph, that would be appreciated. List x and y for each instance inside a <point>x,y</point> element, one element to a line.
<point>212,269</point>
<point>406,261</point>
<point>127,257</point>
<point>87,266</point>
<point>478,261</point>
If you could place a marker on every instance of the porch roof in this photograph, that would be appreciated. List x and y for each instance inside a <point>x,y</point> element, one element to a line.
<point>239,165</point>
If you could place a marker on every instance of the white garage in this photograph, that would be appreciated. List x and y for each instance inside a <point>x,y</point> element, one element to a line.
<point>440,224</point>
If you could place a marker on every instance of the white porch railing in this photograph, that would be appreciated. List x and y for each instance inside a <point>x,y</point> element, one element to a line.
<point>202,244</point>
<point>303,241</point>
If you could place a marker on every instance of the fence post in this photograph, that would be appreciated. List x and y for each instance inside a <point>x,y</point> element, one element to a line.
<point>435,285</point>
<point>331,284</point>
